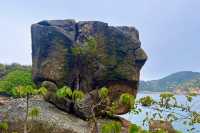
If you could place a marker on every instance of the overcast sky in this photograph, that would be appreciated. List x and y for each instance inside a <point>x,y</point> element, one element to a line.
<point>169,29</point>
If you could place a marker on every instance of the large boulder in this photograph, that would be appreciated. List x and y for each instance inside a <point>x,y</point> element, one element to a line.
<point>115,64</point>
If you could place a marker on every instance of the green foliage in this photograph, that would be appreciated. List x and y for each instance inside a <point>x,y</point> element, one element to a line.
<point>189,98</point>
<point>77,95</point>
<point>22,91</point>
<point>14,79</point>
<point>134,129</point>
<point>146,101</point>
<point>103,92</point>
<point>166,98</point>
<point>34,112</point>
<point>160,131</point>
<point>88,47</point>
<point>64,92</point>
<point>42,91</point>
<point>112,127</point>
<point>3,125</point>
<point>128,100</point>
<point>67,92</point>
<point>166,95</point>
<point>27,91</point>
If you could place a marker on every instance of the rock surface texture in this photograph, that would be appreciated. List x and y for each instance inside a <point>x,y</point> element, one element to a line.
<point>50,119</point>
<point>116,63</point>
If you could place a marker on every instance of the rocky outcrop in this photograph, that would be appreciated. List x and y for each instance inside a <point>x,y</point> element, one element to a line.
<point>116,63</point>
<point>50,119</point>
<point>156,125</point>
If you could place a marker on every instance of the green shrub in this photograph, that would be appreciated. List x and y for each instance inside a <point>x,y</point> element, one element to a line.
<point>14,79</point>
<point>103,92</point>
<point>3,125</point>
<point>127,99</point>
<point>146,101</point>
<point>113,127</point>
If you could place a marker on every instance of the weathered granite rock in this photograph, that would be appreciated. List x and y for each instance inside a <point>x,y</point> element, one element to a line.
<point>50,120</point>
<point>116,64</point>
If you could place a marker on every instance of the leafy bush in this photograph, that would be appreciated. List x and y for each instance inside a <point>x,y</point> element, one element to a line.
<point>146,101</point>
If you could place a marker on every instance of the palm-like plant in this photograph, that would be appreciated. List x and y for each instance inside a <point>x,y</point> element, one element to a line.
<point>27,92</point>
<point>66,92</point>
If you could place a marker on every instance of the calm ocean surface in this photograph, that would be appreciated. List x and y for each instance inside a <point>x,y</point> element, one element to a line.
<point>137,119</point>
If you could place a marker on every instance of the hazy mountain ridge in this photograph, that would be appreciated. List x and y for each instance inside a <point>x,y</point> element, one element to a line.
<point>182,81</point>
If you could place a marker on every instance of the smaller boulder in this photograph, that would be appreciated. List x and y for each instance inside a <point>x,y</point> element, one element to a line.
<point>156,125</point>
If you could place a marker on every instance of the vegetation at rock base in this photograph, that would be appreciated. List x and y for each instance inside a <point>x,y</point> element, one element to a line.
<point>66,92</point>
<point>4,126</point>
<point>113,127</point>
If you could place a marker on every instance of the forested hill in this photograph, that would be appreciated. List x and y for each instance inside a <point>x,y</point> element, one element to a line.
<point>184,80</point>
<point>12,76</point>
<point>5,69</point>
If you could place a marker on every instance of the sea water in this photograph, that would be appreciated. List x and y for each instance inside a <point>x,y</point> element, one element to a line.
<point>138,119</point>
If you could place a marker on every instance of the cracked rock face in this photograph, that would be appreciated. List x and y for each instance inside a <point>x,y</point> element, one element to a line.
<point>116,64</point>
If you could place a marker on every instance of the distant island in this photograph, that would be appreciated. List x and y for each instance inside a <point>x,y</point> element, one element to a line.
<point>182,82</point>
